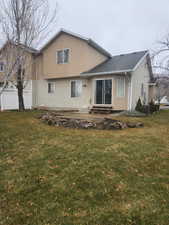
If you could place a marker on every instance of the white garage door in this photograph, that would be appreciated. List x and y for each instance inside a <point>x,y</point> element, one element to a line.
<point>9,100</point>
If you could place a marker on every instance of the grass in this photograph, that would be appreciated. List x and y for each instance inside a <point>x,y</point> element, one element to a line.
<point>58,176</point>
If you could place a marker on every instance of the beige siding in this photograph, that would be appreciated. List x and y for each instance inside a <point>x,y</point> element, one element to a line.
<point>141,75</point>
<point>61,98</point>
<point>30,72</point>
<point>38,71</point>
<point>1,76</point>
<point>120,103</point>
<point>152,92</point>
<point>28,65</point>
<point>82,57</point>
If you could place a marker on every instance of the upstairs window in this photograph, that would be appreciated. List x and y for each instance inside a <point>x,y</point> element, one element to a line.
<point>63,56</point>
<point>76,88</point>
<point>51,87</point>
<point>1,67</point>
<point>120,87</point>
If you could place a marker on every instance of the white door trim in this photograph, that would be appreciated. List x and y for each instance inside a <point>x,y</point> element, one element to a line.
<point>94,91</point>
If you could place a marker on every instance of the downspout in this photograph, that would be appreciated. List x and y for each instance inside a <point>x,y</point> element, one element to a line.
<point>131,91</point>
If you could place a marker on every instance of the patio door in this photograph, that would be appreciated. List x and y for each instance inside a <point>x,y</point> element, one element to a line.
<point>103,92</point>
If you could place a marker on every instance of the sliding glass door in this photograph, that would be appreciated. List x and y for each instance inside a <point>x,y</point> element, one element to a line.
<point>103,92</point>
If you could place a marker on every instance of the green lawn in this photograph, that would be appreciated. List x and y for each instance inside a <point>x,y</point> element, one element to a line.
<point>58,176</point>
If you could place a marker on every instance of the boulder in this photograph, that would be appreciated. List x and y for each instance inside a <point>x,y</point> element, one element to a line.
<point>134,125</point>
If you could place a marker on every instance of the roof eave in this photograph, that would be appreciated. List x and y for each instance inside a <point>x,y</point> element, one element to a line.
<point>62,78</point>
<point>99,48</point>
<point>140,61</point>
<point>57,35</point>
<point>106,73</point>
<point>87,40</point>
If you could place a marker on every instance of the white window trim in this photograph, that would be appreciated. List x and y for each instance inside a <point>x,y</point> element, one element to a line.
<point>71,88</point>
<point>57,56</point>
<point>53,83</point>
<point>117,80</point>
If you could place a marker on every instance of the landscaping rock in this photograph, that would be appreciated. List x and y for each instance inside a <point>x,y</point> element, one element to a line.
<point>110,124</point>
<point>54,119</point>
<point>138,125</point>
<point>131,125</point>
<point>135,125</point>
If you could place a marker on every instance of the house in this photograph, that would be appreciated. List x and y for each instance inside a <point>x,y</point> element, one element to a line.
<point>9,96</point>
<point>74,72</point>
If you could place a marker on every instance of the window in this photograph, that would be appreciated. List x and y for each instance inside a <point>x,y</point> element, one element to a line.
<point>51,87</point>
<point>76,88</point>
<point>1,67</point>
<point>120,85</point>
<point>60,57</point>
<point>63,56</point>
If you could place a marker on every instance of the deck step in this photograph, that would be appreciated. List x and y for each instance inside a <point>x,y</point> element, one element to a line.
<point>101,110</point>
<point>102,107</point>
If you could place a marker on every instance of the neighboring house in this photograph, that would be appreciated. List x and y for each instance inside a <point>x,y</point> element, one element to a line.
<point>164,101</point>
<point>9,96</point>
<point>73,72</point>
<point>161,88</point>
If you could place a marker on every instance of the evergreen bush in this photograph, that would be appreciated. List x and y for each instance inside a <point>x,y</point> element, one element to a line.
<point>139,106</point>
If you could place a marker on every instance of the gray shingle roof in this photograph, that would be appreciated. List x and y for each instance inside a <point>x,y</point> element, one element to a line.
<point>119,63</point>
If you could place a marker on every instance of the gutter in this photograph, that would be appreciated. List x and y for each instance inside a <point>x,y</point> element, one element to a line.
<point>141,60</point>
<point>106,73</point>
<point>62,78</point>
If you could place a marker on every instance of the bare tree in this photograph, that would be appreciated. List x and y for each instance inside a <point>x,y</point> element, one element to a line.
<point>160,57</point>
<point>23,24</point>
<point>162,84</point>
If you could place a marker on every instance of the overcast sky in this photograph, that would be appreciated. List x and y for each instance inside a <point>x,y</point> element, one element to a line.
<point>118,25</point>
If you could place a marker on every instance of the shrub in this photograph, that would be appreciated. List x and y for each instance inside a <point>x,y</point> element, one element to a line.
<point>154,107</point>
<point>147,109</point>
<point>139,106</point>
